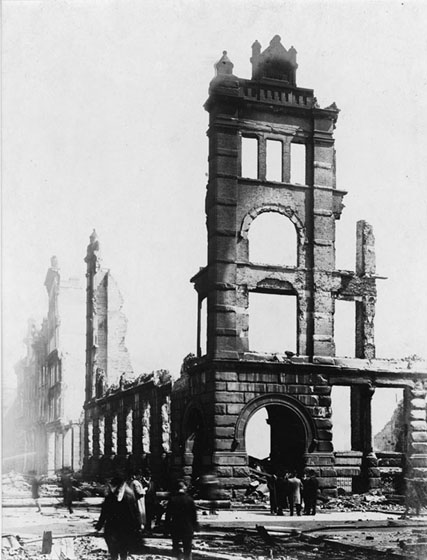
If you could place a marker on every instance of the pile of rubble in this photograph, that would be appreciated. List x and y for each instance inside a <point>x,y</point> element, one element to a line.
<point>370,501</point>
<point>15,484</point>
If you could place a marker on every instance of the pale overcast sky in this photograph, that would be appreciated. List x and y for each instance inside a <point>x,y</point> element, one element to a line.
<point>104,127</point>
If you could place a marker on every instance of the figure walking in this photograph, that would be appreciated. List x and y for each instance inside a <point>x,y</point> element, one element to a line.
<point>36,482</point>
<point>121,518</point>
<point>67,489</point>
<point>181,521</point>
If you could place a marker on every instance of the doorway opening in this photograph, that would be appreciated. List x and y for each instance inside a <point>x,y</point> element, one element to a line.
<point>194,443</point>
<point>276,439</point>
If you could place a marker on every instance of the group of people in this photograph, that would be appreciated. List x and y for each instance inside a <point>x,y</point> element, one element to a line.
<point>129,509</point>
<point>288,491</point>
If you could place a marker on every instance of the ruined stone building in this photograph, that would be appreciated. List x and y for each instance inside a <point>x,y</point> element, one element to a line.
<point>271,153</point>
<point>127,419</point>
<point>50,387</point>
<point>271,161</point>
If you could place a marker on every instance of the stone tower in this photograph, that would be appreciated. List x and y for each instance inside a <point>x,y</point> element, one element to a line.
<point>224,386</point>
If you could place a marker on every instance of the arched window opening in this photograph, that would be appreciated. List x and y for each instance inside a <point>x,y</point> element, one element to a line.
<point>249,157</point>
<point>298,163</point>
<point>273,240</point>
<point>341,419</point>
<point>272,322</point>
<point>345,328</point>
<point>274,160</point>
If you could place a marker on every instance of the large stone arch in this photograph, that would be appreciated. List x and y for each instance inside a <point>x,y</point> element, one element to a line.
<point>284,210</point>
<point>287,211</point>
<point>291,403</point>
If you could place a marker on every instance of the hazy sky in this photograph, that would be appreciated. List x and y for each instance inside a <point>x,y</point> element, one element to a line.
<point>104,127</point>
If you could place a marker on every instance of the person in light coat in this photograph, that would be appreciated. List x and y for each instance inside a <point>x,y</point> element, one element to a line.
<point>295,489</point>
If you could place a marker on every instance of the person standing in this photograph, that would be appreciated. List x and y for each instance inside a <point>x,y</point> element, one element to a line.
<point>271,484</point>
<point>139,491</point>
<point>151,503</point>
<point>295,488</point>
<point>281,492</point>
<point>311,486</point>
<point>120,516</point>
<point>181,521</point>
<point>36,482</point>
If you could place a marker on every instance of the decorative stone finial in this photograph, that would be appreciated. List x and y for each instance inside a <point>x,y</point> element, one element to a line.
<point>224,65</point>
<point>275,62</point>
<point>93,236</point>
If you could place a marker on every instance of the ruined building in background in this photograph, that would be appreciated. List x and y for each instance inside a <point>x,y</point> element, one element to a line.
<point>127,419</point>
<point>252,122</point>
<point>50,387</point>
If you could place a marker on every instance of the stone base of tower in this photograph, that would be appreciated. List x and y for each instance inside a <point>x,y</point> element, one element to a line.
<point>213,402</point>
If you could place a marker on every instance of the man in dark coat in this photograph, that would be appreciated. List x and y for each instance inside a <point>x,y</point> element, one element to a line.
<point>311,486</point>
<point>120,515</point>
<point>181,521</point>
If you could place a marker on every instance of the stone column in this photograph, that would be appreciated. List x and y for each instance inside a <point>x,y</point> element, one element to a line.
<point>286,160</point>
<point>365,308</point>
<point>417,432</point>
<point>114,431</point>
<point>129,432</point>
<point>361,435</point>
<point>262,159</point>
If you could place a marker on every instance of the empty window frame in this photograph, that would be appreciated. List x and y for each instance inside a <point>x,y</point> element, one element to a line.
<point>249,155</point>
<point>274,160</point>
<point>273,240</point>
<point>388,420</point>
<point>272,322</point>
<point>202,334</point>
<point>345,328</point>
<point>341,418</point>
<point>298,163</point>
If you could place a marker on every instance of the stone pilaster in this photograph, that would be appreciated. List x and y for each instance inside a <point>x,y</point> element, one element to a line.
<point>417,431</point>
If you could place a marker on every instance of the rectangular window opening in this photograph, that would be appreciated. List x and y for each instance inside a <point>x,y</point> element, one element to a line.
<point>298,163</point>
<point>274,160</point>
<point>345,328</point>
<point>203,335</point>
<point>388,420</point>
<point>249,157</point>
<point>341,418</point>
<point>272,323</point>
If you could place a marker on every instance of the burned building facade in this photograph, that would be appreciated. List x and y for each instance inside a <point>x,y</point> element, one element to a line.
<point>50,387</point>
<point>220,389</point>
<point>127,418</point>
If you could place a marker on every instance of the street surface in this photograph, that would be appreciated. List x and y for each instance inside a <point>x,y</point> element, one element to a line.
<point>232,534</point>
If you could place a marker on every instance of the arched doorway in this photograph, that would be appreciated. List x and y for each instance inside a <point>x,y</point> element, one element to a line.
<point>283,422</point>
